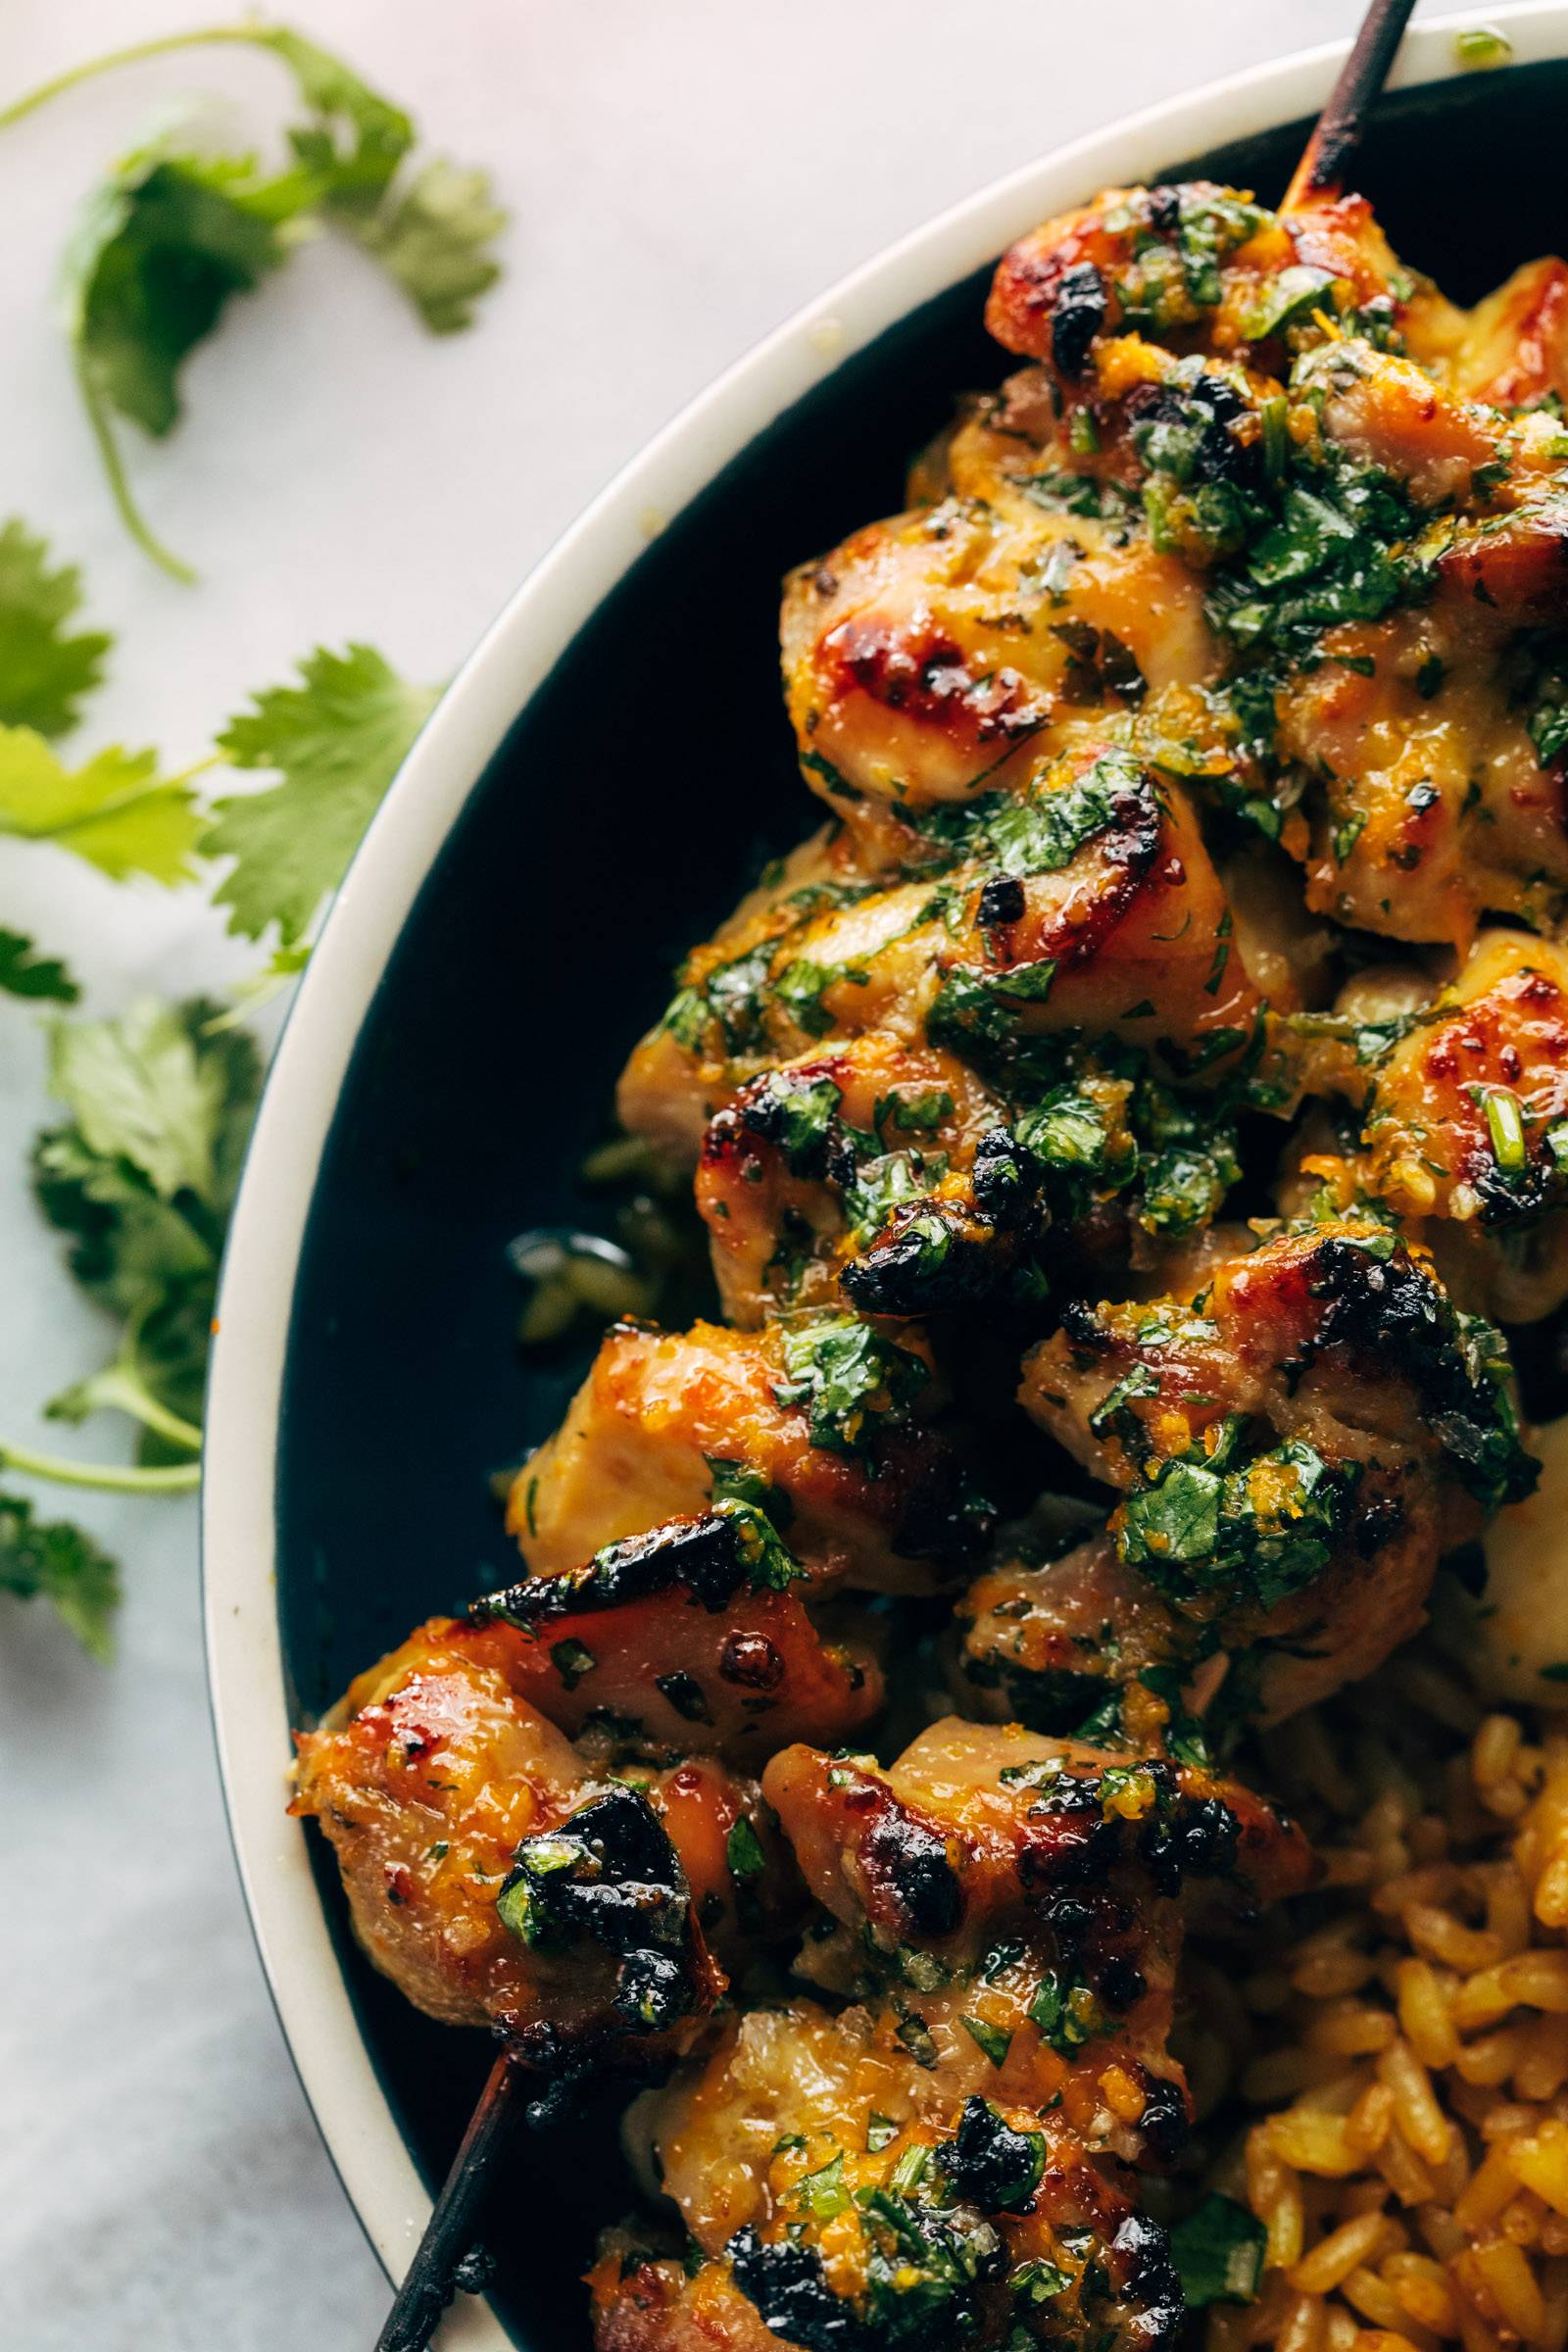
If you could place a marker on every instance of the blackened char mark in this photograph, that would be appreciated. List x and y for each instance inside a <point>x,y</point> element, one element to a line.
<point>929,1258</point>
<point>788,2283</point>
<point>1077,316</point>
<point>910,1883</point>
<point>1127,845</point>
<point>1144,2268</point>
<point>1164,2124</point>
<point>705,1554</point>
<point>991,2165</point>
<point>1196,1838</point>
<point>608,1874</point>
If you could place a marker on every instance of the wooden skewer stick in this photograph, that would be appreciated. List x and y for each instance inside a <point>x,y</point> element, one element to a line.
<point>1336,132</point>
<point>431,2279</point>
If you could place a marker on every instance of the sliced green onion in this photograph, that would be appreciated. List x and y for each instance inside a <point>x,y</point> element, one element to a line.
<point>1480,46</point>
<point>1507,1128</point>
<point>990,2037</point>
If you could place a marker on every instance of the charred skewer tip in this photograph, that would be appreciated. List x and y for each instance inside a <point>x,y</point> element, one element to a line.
<point>1338,131</point>
<point>447,2248</point>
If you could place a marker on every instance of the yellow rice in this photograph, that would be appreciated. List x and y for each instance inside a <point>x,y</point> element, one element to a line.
<point>1389,2090</point>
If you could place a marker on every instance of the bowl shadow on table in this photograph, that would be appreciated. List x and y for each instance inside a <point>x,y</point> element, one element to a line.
<point>629,804</point>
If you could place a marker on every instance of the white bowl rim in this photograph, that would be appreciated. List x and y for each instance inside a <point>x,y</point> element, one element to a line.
<point>506,669</point>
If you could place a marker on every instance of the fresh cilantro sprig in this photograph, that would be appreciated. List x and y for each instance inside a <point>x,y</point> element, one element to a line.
<point>140,1175</point>
<point>173,234</point>
<point>334,741</point>
<point>140,1178</point>
<point>331,744</point>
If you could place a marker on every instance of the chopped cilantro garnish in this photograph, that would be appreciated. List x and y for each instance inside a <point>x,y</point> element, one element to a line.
<point>1218,2252</point>
<point>743,1851</point>
<point>1505,1127</point>
<point>1066,2014</point>
<point>571,1661</point>
<point>848,1377</point>
<point>1266,1527</point>
<point>823,2193</point>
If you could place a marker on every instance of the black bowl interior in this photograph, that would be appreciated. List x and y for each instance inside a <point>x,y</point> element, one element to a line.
<point>634,795</point>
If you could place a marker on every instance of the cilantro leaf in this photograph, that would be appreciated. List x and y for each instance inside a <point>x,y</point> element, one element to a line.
<point>171,236</point>
<point>163,245</point>
<point>43,673</point>
<point>351,178</point>
<point>116,811</point>
<point>142,1179</point>
<point>24,972</point>
<point>1218,2252</point>
<point>848,1377</point>
<point>432,240</point>
<point>161,249</point>
<point>57,1562</point>
<point>139,1094</point>
<point>335,742</point>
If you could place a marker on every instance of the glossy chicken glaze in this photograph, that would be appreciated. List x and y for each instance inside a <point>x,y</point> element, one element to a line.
<point>1214,654</point>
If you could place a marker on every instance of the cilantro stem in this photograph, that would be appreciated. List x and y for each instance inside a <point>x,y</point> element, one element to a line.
<point>253,35</point>
<point>179,1478</point>
<point>119,486</point>
<point>117,1388</point>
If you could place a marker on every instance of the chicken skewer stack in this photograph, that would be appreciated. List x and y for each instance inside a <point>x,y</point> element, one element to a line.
<point>1155,637</point>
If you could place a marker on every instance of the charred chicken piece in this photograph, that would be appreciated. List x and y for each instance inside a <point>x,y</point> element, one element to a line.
<point>986,1850</point>
<point>1421,548</point>
<point>815,1422</point>
<point>1195,266</point>
<point>1295,1445</point>
<point>950,2155</point>
<point>1078,1638</point>
<point>948,648</point>
<point>1454,1102</point>
<point>693,1638</point>
<point>1084,901</point>
<point>503,1879</point>
<point>893,1177</point>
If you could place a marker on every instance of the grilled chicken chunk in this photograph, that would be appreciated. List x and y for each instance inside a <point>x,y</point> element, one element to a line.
<point>503,1879</point>
<point>1295,1447</point>
<point>817,1420</point>
<point>952,647</point>
<point>902,2168</point>
<point>893,1177</point>
<point>690,1638</point>
<point>1455,1101</point>
<point>1196,267</point>
<point>1083,901</point>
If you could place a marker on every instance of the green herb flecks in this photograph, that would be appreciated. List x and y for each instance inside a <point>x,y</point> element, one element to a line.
<point>1266,1527</point>
<point>1218,2252</point>
<point>850,1379</point>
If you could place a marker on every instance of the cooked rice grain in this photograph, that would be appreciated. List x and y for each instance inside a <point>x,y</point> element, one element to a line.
<point>1412,2048</point>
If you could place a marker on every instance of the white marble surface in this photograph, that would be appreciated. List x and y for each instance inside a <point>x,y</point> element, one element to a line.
<point>681,173</point>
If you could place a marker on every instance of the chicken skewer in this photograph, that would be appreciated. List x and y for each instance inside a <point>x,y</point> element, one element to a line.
<point>1319,168</point>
